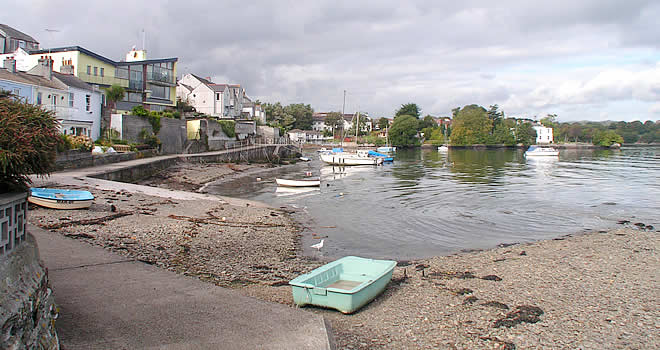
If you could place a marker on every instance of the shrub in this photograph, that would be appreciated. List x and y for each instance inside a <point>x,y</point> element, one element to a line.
<point>64,144</point>
<point>228,127</point>
<point>140,111</point>
<point>28,140</point>
<point>81,142</point>
<point>150,139</point>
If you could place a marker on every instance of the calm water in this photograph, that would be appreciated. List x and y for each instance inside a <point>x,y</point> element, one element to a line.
<point>428,203</point>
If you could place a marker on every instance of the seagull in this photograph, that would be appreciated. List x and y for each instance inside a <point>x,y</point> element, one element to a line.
<point>318,246</point>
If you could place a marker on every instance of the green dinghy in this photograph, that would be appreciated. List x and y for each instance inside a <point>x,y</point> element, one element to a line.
<point>346,284</point>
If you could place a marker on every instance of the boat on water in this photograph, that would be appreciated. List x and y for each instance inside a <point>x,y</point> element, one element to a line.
<point>339,157</point>
<point>443,148</point>
<point>310,182</point>
<point>386,158</point>
<point>386,149</point>
<point>57,198</point>
<point>346,284</point>
<point>541,151</point>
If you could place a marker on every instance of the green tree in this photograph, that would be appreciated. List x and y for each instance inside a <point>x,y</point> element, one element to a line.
<point>114,94</point>
<point>28,139</point>
<point>503,133</point>
<point>495,115</point>
<point>471,126</point>
<point>334,120</point>
<point>409,109</point>
<point>525,134</point>
<point>427,122</point>
<point>404,131</point>
<point>383,123</point>
<point>606,138</point>
<point>302,115</point>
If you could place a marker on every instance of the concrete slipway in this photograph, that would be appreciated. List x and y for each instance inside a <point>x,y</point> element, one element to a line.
<point>110,302</point>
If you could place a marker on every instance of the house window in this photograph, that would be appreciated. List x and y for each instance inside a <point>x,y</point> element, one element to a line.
<point>89,70</point>
<point>102,71</point>
<point>70,99</point>
<point>88,103</point>
<point>217,96</point>
<point>96,71</point>
<point>38,98</point>
<point>17,92</point>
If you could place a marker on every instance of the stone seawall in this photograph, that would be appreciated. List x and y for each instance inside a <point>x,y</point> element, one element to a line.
<point>27,309</point>
<point>256,153</point>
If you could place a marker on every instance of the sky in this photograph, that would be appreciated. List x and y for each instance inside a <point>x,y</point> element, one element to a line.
<point>580,59</point>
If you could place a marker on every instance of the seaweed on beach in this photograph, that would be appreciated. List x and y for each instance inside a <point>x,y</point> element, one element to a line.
<point>523,313</point>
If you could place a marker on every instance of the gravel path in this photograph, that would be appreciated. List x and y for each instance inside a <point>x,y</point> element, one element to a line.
<point>592,291</point>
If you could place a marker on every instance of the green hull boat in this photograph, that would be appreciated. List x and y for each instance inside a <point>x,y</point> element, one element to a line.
<point>346,284</point>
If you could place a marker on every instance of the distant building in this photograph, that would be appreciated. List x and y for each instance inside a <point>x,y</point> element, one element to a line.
<point>253,110</point>
<point>318,121</point>
<point>543,134</point>
<point>149,83</point>
<point>217,100</point>
<point>297,135</point>
<point>76,104</point>
<point>12,39</point>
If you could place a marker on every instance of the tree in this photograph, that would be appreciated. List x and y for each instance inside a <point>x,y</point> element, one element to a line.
<point>550,121</point>
<point>383,123</point>
<point>471,126</point>
<point>409,109</point>
<point>404,131</point>
<point>495,115</point>
<point>525,134</point>
<point>302,115</point>
<point>362,127</point>
<point>28,139</point>
<point>334,120</point>
<point>427,122</point>
<point>114,94</point>
<point>503,135</point>
<point>607,138</point>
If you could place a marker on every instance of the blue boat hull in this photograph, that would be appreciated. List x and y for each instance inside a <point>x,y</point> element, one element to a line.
<point>56,198</point>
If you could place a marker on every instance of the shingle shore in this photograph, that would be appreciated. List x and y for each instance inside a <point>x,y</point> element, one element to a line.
<point>590,291</point>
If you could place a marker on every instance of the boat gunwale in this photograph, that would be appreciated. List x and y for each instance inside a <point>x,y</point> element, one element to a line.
<point>388,266</point>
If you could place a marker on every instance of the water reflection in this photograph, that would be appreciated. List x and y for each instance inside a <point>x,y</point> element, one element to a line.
<point>428,203</point>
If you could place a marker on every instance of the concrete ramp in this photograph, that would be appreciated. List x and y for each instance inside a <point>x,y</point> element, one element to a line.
<point>110,302</point>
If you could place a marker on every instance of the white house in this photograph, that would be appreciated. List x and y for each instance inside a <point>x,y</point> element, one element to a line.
<point>77,105</point>
<point>207,97</point>
<point>543,134</point>
<point>253,110</point>
<point>21,57</point>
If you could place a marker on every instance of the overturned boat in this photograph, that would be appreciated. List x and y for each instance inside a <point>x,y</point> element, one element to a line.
<point>57,198</point>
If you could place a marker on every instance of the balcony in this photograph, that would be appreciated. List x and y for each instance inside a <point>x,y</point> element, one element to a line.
<point>102,80</point>
<point>136,85</point>
<point>160,78</point>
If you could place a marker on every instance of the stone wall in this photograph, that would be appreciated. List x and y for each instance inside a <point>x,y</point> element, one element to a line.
<point>173,135</point>
<point>216,138</point>
<point>75,159</point>
<point>27,308</point>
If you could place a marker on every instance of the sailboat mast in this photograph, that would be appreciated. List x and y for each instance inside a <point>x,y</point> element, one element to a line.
<point>343,107</point>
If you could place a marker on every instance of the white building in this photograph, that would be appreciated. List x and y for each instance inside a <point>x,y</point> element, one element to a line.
<point>253,110</point>
<point>76,104</point>
<point>543,134</point>
<point>207,97</point>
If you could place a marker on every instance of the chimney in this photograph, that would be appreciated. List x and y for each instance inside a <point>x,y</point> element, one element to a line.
<point>46,64</point>
<point>10,64</point>
<point>67,69</point>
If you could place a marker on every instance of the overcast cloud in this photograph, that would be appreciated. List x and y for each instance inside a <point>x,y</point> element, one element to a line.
<point>580,59</point>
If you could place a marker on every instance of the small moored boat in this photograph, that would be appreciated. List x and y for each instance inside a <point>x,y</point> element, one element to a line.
<point>311,182</point>
<point>57,198</point>
<point>339,157</point>
<point>346,284</point>
<point>443,148</point>
<point>541,151</point>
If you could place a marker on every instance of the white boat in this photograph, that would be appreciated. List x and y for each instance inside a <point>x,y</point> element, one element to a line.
<point>311,182</point>
<point>386,149</point>
<point>443,148</point>
<point>347,158</point>
<point>305,159</point>
<point>541,151</point>
<point>56,198</point>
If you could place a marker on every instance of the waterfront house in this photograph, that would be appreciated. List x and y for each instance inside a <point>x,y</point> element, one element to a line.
<point>253,110</point>
<point>311,136</point>
<point>12,39</point>
<point>76,104</point>
<point>207,97</point>
<point>543,134</point>
<point>148,82</point>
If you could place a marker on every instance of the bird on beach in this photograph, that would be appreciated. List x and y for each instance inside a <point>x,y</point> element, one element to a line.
<point>318,246</point>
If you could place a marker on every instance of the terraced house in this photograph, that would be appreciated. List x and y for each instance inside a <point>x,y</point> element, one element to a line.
<point>148,82</point>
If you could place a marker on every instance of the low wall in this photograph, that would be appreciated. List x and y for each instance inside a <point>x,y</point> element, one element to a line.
<point>83,159</point>
<point>256,153</point>
<point>27,309</point>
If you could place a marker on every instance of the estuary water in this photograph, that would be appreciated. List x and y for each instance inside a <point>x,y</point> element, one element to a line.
<point>429,203</point>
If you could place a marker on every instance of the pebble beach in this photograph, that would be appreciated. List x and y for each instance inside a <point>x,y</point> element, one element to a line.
<point>597,290</point>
